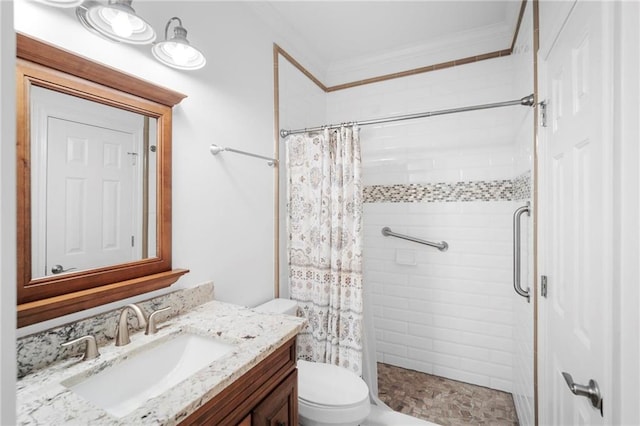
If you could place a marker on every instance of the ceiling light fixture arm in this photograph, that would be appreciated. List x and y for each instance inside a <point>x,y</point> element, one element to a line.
<point>179,30</point>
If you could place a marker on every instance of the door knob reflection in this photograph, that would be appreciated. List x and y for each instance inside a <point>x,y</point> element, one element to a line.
<point>58,269</point>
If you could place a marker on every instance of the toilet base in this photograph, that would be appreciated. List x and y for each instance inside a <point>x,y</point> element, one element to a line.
<point>307,422</point>
<point>313,415</point>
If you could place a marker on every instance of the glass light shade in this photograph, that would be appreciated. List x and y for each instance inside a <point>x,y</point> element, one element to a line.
<point>178,54</point>
<point>118,21</point>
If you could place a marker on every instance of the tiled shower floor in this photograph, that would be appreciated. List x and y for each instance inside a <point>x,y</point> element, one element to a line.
<point>443,401</point>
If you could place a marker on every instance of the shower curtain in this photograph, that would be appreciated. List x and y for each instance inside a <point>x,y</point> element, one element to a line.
<point>325,243</point>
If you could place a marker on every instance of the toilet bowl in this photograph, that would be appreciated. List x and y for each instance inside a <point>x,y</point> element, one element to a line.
<point>328,395</point>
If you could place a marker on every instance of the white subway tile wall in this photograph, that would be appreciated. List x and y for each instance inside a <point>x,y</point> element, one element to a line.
<point>451,313</point>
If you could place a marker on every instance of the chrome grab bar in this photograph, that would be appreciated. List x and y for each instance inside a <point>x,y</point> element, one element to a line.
<point>442,246</point>
<point>516,250</point>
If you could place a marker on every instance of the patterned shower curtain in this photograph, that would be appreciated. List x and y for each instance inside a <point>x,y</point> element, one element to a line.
<point>325,243</point>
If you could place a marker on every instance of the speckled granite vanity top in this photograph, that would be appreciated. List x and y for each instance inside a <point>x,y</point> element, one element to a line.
<point>43,400</point>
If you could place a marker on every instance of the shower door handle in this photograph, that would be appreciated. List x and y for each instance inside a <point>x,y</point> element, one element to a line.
<point>516,250</point>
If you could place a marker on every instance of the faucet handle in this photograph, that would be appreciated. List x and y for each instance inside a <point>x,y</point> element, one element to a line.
<point>91,350</point>
<point>151,321</point>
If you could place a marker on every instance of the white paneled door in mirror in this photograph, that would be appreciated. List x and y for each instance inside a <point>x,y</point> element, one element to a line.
<point>90,197</point>
<point>93,202</point>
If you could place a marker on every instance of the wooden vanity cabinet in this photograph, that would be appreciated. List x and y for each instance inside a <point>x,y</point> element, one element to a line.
<point>281,407</point>
<point>267,395</point>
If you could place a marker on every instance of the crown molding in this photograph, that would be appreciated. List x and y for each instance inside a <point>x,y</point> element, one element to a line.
<point>492,41</point>
<point>464,44</point>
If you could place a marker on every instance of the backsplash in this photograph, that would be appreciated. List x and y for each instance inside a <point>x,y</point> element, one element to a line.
<point>41,349</point>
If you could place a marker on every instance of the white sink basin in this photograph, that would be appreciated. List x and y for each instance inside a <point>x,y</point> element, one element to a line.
<point>121,388</point>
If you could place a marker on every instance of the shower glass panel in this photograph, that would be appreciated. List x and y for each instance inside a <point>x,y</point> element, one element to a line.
<point>456,178</point>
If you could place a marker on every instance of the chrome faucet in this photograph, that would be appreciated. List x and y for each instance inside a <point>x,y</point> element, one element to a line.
<point>122,331</point>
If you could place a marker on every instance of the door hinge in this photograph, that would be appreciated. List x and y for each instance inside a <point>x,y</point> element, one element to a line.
<point>133,241</point>
<point>543,285</point>
<point>543,113</point>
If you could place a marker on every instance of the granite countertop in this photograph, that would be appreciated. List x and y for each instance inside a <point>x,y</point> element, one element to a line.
<point>43,400</point>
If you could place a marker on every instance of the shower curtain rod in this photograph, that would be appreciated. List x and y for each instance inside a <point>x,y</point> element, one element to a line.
<point>526,101</point>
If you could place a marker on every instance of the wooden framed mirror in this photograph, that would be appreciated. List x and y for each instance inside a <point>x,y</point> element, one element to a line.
<point>94,183</point>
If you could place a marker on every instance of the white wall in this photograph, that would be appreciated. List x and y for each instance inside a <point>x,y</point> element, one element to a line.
<point>7,216</point>
<point>449,313</point>
<point>222,206</point>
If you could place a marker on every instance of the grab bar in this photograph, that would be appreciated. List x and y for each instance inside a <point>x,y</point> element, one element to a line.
<point>516,251</point>
<point>442,246</point>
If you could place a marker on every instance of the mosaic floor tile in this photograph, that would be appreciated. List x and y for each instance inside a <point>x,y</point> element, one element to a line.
<point>443,401</point>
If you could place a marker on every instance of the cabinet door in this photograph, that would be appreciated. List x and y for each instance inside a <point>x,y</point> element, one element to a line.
<point>280,408</point>
<point>246,421</point>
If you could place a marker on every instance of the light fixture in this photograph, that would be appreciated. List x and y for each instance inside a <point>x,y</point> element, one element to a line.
<point>116,21</point>
<point>61,3</point>
<point>177,52</point>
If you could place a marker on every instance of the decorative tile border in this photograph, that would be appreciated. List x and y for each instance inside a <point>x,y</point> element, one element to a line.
<point>522,187</point>
<point>495,190</point>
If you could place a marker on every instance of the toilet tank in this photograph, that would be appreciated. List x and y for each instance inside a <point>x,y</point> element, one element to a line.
<point>279,306</point>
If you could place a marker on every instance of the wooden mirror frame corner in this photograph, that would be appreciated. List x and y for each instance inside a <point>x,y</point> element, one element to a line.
<point>44,65</point>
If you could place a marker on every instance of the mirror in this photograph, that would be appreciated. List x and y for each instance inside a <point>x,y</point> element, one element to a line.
<point>94,183</point>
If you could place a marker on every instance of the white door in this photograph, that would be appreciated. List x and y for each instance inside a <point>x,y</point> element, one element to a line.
<point>90,196</point>
<point>575,204</point>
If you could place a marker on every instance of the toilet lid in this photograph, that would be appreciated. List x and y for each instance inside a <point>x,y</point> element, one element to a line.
<point>330,385</point>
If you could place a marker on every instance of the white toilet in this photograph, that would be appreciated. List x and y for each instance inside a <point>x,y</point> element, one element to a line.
<point>328,395</point>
